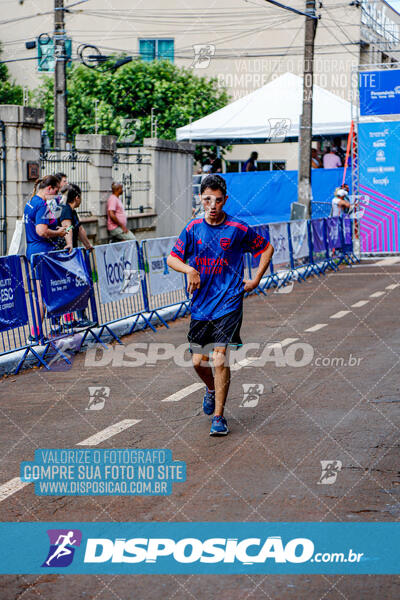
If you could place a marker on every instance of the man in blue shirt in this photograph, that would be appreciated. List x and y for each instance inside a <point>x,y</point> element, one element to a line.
<point>210,251</point>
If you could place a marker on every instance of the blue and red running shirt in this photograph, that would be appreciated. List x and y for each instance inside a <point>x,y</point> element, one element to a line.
<point>216,251</point>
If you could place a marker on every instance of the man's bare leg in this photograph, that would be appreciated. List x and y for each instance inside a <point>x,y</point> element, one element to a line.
<point>222,378</point>
<point>202,367</point>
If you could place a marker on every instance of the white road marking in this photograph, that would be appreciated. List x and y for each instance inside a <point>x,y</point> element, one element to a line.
<point>339,314</point>
<point>247,361</point>
<point>387,261</point>
<point>359,304</point>
<point>183,393</point>
<point>286,342</point>
<point>392,286</point>
<point>108,432</point>
<point>10,487</point>
<point>376,294</point>
<point>315,327</point>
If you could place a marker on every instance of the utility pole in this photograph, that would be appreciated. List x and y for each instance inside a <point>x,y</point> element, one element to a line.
<point>60,77</point>
<point>305,133</point>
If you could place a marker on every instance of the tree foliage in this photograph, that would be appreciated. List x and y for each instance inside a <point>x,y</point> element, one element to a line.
<point>125,97</point>
<point>9,92</point>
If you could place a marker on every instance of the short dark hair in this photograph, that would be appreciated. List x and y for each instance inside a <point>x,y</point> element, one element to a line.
<point>73,192</point>
<point>60,176</point>
<point>254,155</point>
<point>214,182</point>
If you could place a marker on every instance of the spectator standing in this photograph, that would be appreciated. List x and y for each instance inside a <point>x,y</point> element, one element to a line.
<point>251,163</point>
<point>216,164</point>
<point>339,202</point>
<point>42,231</point>
<point>331,159</point>
<point>75,231</point>
<point>116,216</point>
<point>315,161</point>
<point>337,142</point>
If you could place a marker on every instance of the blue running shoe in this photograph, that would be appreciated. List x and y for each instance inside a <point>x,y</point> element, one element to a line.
<point>219,426</point>
<point>209,402</point>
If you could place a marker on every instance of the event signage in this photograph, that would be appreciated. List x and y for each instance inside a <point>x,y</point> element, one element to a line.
<point>298,232</point>
<point>333,230</point>
<point>162,278</point>
<point>200,547</point>
<point>13,311</point>
<point>280,242</point>
<point>317,228</point>
<point>118,271</point>
<point>379,92</point>
<point>64,279</point>
<point>379,179</point>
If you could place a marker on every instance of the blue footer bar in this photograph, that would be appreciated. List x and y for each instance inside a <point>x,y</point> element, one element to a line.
<point>215,548</point>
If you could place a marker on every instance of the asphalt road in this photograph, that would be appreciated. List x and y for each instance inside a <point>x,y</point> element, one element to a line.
<point>343,405</point>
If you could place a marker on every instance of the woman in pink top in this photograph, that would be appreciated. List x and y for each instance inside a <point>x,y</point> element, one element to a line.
<point>116,216</point>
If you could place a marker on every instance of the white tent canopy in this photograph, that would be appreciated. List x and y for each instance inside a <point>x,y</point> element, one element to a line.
<point>251,117</point>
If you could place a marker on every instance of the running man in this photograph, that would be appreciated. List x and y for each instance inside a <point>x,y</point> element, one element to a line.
<point>62,549</point>
<point>210,251</point>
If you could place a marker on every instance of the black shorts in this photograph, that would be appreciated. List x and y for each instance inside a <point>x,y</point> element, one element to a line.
<point>204,336</point>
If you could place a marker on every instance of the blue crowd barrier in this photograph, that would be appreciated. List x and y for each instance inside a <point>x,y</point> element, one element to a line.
<point>157,274</point>
<point>302,249</point>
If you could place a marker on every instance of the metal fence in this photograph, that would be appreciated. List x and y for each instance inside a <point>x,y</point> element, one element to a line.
<point>324,244</point>
<point>75,166</point>
<point>131,167</point>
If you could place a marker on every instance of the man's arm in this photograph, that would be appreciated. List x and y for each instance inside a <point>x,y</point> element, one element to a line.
<point>265,259</point>
<point>69,235</point>
<point>344,203</point>
<point>193,276</point>
<point>82,236</point>
<point>45,232</point>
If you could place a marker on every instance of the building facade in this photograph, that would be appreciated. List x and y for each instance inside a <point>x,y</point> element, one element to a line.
<point>242,45</point>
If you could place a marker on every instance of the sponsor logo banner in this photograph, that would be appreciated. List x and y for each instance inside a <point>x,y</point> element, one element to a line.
<point>13,311</point>
<point>118,271</point>
<point>162,278</point>
<point>379,92</point>
<point>215,548</point>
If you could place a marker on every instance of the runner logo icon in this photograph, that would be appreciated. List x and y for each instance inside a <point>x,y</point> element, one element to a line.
<point>62,547</point>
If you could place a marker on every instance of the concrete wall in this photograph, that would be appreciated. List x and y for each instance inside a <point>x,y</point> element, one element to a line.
<point>171,183</point>
<point>170,174</point>
<point>23,129</point>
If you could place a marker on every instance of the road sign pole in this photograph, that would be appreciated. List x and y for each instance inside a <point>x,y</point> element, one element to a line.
<point>60,77</point>
<point>305,133</point>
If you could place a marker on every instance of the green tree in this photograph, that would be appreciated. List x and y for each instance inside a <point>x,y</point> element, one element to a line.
<point>9,92</point>
<point>126,96</point>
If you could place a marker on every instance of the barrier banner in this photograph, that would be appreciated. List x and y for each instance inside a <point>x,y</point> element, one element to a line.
<point>279,239</point>
<point>118,271</point>
<point>298,230</point>
<point>162,278</point>
<point>333,226</point>
<point>317,228</point>
<point>379,92</point>
<point>347,231</point>
<point>13,312</point>
<point>379,177</point>
<point>64,280</point>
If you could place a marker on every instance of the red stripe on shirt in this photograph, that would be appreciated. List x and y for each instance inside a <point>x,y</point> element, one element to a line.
<point>261,251</point>
<point>189,227</point>
<point>176,256</point>
<point>235,224</point>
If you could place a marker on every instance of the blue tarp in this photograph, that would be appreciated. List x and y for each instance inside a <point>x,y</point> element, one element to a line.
<point>266,196</point>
